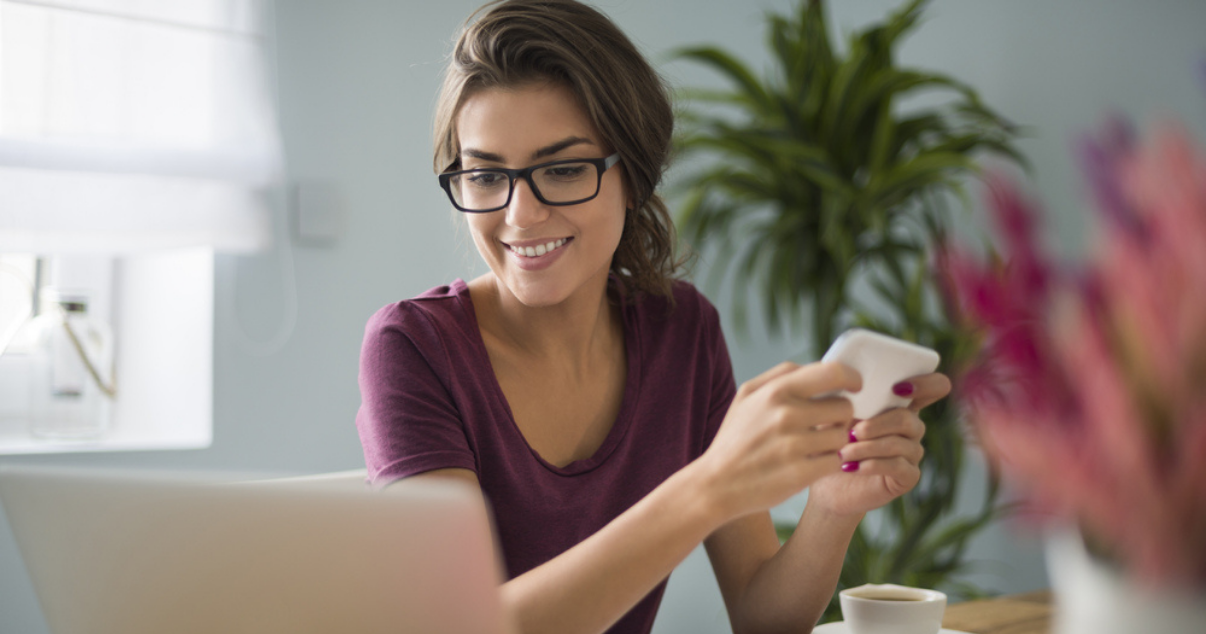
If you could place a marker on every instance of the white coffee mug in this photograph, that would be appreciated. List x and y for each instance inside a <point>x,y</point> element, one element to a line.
<point>892,609</point>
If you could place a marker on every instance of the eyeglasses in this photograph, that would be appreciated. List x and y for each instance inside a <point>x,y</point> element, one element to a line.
<point>558,183</point>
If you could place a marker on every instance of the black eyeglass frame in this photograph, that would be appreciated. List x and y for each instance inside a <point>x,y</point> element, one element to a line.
<point>513,175</point>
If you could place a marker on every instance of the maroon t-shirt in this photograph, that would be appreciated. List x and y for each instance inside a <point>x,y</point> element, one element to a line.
<point>430,400</point>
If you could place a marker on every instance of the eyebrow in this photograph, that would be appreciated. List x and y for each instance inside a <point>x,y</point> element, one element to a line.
<point>547,150</point>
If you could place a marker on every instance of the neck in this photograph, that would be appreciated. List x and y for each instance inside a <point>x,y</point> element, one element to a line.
<point>572,332</point>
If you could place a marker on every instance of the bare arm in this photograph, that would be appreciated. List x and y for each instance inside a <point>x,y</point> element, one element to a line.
<point>590,586</point>
<point>775,441</point>
<point>771,589</point>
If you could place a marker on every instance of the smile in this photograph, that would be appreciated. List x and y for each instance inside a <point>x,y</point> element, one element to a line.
<point>538,250</point>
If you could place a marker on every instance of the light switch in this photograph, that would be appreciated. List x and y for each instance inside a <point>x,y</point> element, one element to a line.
<point>318,214</point>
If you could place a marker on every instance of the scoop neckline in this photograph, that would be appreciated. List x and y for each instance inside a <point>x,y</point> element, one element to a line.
<point>632,382</point>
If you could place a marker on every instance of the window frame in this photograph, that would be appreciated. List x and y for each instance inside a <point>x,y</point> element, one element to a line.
<point>160,307</point>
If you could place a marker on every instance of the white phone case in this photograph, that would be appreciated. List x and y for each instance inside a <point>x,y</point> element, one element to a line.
<point>882,361</point>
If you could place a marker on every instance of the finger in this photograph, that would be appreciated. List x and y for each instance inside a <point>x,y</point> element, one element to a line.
<point>827,412</point>
<point>925,390</point>
<point>899,476</point>
<point>898,422</point>
<point>815,467</point>
<point>814,442</point>
<point>815,379</point>
<point>797,418</point>
<point>829,440</point>
<point>886,448</point>
<point>757,382</point>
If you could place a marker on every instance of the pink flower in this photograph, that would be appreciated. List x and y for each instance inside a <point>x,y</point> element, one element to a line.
<point>1090,390</point>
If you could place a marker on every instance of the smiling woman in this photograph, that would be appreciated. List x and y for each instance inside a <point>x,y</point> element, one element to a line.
<point>536,122</point>
<point>585,389</point>
<point>594,62</point>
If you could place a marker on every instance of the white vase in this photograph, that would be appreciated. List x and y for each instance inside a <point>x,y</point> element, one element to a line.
<point>71,369</point>
<point>1093,598</point>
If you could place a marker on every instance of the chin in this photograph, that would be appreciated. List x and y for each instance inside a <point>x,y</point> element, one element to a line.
<point>550,286</point>
<point>537,294</point>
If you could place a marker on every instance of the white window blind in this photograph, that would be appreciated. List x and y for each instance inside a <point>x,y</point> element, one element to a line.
<point>128,125</point>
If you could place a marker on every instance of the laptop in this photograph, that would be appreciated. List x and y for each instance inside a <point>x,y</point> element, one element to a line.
<point>129,553</point>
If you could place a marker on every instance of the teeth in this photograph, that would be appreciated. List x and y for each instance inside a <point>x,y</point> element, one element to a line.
<point>538,250</point>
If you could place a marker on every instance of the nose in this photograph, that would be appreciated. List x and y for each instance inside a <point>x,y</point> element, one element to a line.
<point>525,210</point>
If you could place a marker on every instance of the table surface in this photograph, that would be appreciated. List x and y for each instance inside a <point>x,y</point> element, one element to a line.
<point>1028,613</point>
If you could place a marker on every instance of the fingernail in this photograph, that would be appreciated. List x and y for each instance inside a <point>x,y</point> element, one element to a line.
<point>904,388</point>
<point>852,436</point>
<point>849,467</point>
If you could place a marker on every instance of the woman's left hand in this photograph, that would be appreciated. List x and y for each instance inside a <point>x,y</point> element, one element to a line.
<point>881,461</point>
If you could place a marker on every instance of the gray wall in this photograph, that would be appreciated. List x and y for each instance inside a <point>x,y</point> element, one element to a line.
<point>357,83</point>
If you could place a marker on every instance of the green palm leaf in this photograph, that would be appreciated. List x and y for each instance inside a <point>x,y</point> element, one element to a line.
<point>813,180</point>
<point>731,68</point>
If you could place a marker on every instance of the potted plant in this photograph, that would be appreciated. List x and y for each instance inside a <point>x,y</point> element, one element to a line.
<point>815,181</point>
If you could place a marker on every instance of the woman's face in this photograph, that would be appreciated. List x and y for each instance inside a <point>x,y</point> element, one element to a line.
<point>518,127</point>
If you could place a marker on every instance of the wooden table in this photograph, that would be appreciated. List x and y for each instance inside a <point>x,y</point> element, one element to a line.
<point>1028,613</point>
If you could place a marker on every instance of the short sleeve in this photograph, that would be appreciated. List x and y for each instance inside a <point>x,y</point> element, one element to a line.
<point>724,387</point>
<point>408,421</point>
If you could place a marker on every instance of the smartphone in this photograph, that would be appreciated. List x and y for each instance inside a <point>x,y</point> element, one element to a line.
<point>882,361</point>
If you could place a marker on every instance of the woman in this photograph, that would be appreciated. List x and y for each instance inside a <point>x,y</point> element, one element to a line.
<point>585,391</point>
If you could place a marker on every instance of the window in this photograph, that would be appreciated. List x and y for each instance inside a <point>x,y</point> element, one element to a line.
<point>18,290</point>
<point>136,140</point>
<point>128,125</point>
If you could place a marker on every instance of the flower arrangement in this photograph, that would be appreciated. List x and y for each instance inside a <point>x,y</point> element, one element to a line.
<point>1090,388</point>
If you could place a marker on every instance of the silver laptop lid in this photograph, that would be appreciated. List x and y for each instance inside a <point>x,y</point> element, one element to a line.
<point>125,553</point>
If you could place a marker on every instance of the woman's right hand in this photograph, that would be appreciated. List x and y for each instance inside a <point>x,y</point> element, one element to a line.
<point>777,438</point>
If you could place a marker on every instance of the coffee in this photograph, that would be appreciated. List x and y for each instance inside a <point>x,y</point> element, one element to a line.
<point>888,593</point>
<point>892,609</point>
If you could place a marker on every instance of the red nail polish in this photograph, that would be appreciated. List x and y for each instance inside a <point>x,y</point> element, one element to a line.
<point>849,467</point>
<point>852,436</point>
<point>904,388</point>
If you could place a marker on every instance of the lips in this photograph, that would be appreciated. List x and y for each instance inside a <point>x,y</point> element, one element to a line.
<point>537,250</point>
<point>535,255</point>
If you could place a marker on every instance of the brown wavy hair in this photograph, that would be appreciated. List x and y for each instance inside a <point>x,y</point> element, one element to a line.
<point>516,42</point>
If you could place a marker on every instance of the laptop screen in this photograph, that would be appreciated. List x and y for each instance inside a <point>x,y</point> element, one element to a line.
<point>127,553</point>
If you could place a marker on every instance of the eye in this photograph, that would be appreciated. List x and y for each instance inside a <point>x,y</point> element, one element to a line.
<point>566,172</point>
<point>486,180</point>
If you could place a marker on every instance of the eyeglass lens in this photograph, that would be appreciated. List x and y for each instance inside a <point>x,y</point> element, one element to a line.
<point>560,183</point>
